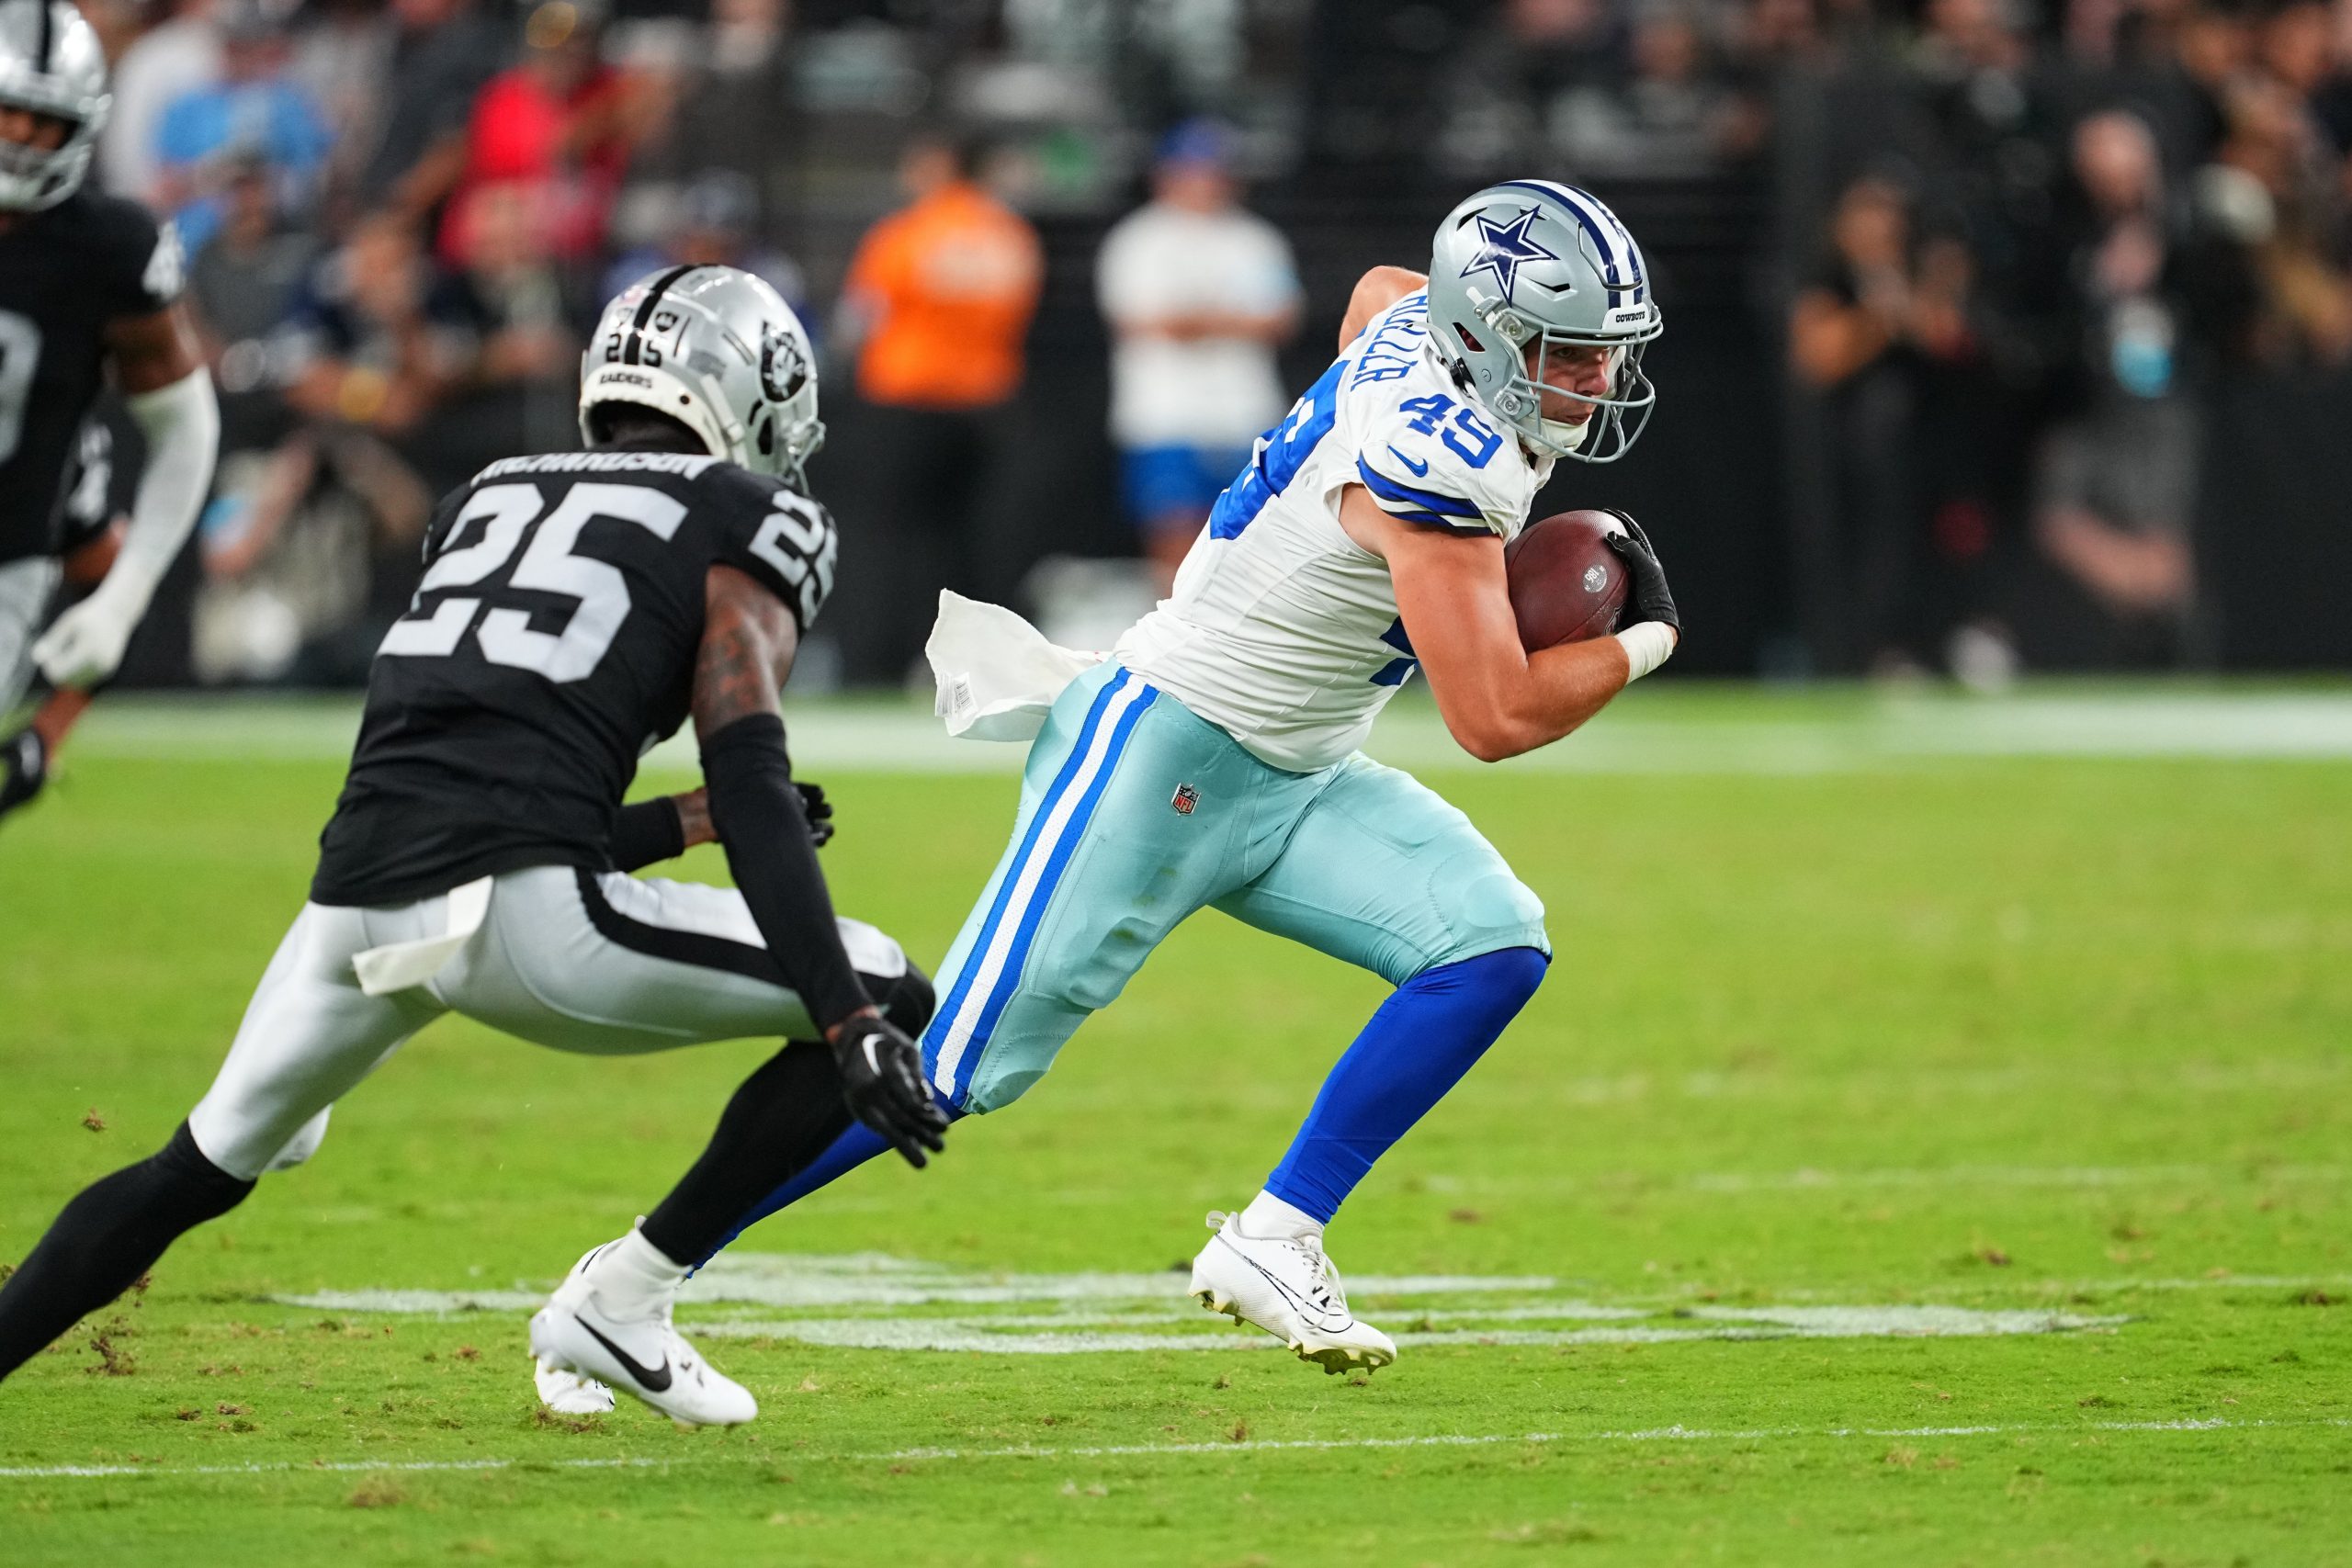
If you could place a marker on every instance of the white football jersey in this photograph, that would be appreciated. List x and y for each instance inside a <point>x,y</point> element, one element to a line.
<point>1282,630</point>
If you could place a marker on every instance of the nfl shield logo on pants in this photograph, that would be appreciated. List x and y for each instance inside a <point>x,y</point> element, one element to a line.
<point>1186,798</point>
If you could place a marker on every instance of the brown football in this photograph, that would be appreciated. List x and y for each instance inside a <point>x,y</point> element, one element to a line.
<point>1567,584</point>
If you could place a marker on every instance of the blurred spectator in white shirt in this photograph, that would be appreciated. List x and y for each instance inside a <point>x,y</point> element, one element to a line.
<point>168,61</point>
<point>1199,294</point>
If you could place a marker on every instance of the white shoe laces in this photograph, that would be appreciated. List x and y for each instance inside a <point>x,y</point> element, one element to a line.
<point>1323,1276</point>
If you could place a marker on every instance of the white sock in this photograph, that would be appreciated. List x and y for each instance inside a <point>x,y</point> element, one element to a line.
<point>633,1278</point>
<point>1267,1218</point>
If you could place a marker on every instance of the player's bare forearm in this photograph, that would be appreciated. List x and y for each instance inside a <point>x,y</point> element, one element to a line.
<point>693,817</point>
<point>151,352</point>
<point>1374,292</point>
<point>1500,702</point>
<point>57,715</point>
<point>748,643</point>
<point>1454,597</point>
<point>87,564</point>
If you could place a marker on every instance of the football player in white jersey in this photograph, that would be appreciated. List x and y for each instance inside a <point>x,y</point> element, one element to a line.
<point>1211,761</point>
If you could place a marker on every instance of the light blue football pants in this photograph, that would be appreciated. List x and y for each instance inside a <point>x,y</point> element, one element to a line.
<point>1135,812</point>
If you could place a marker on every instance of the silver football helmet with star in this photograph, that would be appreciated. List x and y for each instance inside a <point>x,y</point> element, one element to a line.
<point>1534,262</point>
<point>51,64</point>
<point>718,351</point>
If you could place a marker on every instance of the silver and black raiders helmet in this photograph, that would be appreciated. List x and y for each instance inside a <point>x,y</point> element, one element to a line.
<point>1528,261</point>
<point>51,64</point>
<point>718,351</point>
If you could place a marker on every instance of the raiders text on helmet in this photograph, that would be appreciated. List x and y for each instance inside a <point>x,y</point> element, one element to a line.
<point>1532,262</point>
<point>51,64</point>
<point>718,351</point>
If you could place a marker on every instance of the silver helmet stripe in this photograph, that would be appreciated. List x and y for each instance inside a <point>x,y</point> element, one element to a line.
<point>47,45</point>
<point>645,310</point>
<point>1598,222</point>
<point>1601,223</point>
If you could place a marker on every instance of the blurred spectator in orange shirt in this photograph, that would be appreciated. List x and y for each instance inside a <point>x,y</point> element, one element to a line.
<point>940,293</point>
<point>935,307</point>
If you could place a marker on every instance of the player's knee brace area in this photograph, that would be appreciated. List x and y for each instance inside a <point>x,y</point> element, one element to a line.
<point>302,1145</point>
<point>1494,909</point>
<point>1508,976</point>
<point>1516,972</point>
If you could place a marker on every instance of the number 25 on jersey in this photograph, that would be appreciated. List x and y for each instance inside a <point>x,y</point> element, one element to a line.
<point>509,513</point>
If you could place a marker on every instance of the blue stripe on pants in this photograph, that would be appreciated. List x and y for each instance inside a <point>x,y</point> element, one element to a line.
<point>958,1035</point>
<point>936,1035</point>
<point>1008,980</point>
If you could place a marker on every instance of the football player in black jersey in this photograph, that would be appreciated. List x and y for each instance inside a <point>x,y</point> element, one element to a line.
<point>92,521</point>
<point>86,282</point>
<point>576,608</point>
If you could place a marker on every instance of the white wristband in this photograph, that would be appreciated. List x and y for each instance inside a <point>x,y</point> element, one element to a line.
<point>1647,646</point>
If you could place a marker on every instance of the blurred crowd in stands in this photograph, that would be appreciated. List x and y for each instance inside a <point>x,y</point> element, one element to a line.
<point>2050,249</point>
<point>1998,254</point>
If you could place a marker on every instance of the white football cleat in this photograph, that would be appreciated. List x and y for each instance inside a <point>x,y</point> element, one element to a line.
<point>646,1357</point>
<point>567,1393</point>
<point>1287,1287</point>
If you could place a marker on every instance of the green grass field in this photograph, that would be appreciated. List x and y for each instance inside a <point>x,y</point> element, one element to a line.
<point>1919,1154</point>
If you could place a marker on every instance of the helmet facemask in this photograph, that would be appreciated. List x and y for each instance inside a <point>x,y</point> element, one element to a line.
<point>51,67</point>
<point>1619,414</point>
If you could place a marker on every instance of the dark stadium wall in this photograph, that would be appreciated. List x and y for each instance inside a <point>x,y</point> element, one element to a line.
<point>2274,538</point>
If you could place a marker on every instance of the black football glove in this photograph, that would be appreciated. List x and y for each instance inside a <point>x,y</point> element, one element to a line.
<point>24,768</point>
<point>882,1079</point>
<point>819,810</point>
<point>1649,597</point>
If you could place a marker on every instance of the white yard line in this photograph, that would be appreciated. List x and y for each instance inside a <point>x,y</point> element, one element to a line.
<point>820,1280</point>
<point>1673,1433</point>
<point>1130,1314</point>
<point>983,1335</point>
<point>1147,1314</point>
<point>1653,734</point>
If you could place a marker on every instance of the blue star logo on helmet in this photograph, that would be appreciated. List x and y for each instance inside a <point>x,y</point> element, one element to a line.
<point>1503,248</point>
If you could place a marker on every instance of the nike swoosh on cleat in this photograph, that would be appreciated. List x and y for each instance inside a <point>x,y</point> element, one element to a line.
<point>1305,1309</point>
<point>656,1379</point>
<point>1419,468</point>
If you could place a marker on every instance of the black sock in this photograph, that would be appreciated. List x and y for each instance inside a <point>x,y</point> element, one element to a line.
<point>780,1120</point>
<point>782,1117</point>
<point>108,1237</point>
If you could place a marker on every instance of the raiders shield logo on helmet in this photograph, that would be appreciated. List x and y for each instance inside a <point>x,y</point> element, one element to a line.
<point>783,368</point>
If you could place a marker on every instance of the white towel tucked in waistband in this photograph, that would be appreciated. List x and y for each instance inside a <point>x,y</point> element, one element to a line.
<point>997,673</point>
<point>400,966</point>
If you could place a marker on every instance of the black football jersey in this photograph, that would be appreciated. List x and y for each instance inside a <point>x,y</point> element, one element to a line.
<point>551,642</point>
<point>96,488</point>
<point>65,273</point>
